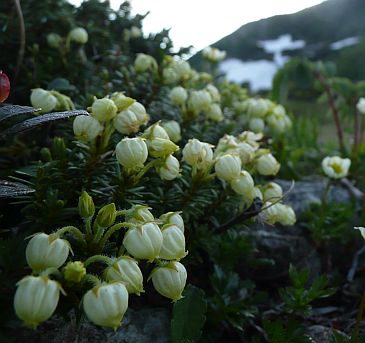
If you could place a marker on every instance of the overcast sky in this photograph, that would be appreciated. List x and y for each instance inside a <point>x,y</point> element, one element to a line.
<point>203,22</point>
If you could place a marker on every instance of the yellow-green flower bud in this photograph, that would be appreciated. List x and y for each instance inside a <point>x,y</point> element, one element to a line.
<point>106,304</point>
<point>159,147</point>
<point>74,271</point>
<point>54,40</point>
<point>86,205</point>
<point>173,218</point>
<point>121,101</point>
<point>126,122</point>
<point>215,113</point>
<point>45,251</point>
<point>267,165</point>
<point>132,153</point>
<point>228,167</point>
<point>173,245</point>
<point>144,242</point>
<point>256,125</point>
<point>244,184</point>
<point>106,215</point>
<point>86,128</point>
<point>139,214</point>
<point>155,131</point>
<point>272,192</point>
<point>214,92</point>
<point>170,280</point>
<point>36,299</point>
<point>144,62</point>
<point>78,35</point>
<point>173,130</point>
<point>126,270</point>
<point>170,169</point>
<point>43,99</point>
<point>199,101</point>
<point>198,154</point>
<point>178,96</point>
<point>103,109</point>
<point>139,110</point>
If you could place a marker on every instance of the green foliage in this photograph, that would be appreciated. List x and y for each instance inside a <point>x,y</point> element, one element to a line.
<point>188,316</point>
<point>279,331</point>
<point>298,298</point>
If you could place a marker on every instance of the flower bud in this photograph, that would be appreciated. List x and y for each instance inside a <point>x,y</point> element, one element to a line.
<point>45,251</point>
<point>285,215</point>
<point>199,101</point>
<point>214,92</point>
<point>244,184</point>
<point>135,32</point>
<point>169,76</point>
<point>132,153</point>
<point>86,128</point>
<point>270,212</point>
<point>103,109</point>
<point>182,69</point>
<point>106,304</point>
<point>74,271</point>
<point>173,245</point>
<point>272,191</point>
<point>228,167</point>
<point>43,99</point>
<point>173,218</point>
<point>178,96</point>
<point>144,62</point>
<point>121,101</point>
<point>4,86</point>
<point>336,167</point>
<point>198,154</point>
<point>155,131</point>
<point>257,193</point>
<point>256,125</point>
<point>126,122</point>
<point>36,299</point>
<point>54,40</point>
<point>78,35</point>
<point>258,108</point>
<point>106,215</point>
<point>170,280</point>
<point>144,242</point>
<point>267,165</point>
<point>139,214</point>
<point>360,106</point>
<point>159,147</point>
<point>215,113</point>
<point>170,169</point>
<point>86,205</point>
<point>213,55</point>
<point>126,270</point>
<point>173,130</point>
<point>139,110</point>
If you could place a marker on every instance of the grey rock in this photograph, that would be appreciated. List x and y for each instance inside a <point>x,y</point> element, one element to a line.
<point>306,192</point>
<point>322,334</point>
<point>150,325</point>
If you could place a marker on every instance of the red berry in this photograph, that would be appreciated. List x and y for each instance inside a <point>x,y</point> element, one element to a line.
<point>4,86</point>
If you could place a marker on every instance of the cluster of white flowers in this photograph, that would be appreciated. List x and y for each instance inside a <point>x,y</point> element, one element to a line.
<point>233,159</point>
<point>125,114</point>
<point>192,101</point>
<point>156,240</point>
<point>213,55</point>
<point>48,101</point>
<point>264,114</point>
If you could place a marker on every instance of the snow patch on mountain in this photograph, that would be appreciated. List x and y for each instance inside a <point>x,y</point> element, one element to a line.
<point>259,74</point>
<point>343,43</point>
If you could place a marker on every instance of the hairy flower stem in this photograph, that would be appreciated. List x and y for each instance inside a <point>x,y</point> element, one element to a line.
<point>77,234</point>
<point>110,232</point>
<point>94,280</point>
<point>98,258</point>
